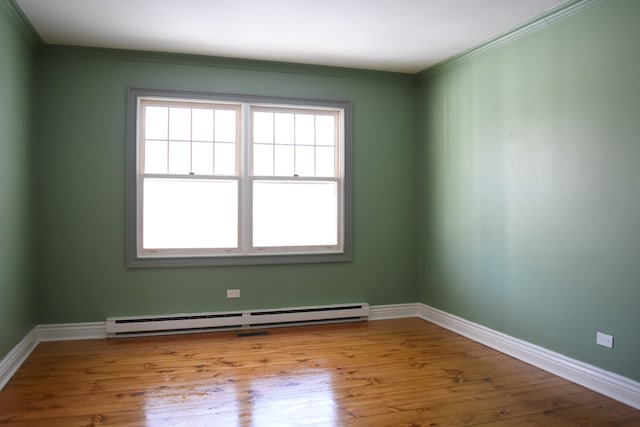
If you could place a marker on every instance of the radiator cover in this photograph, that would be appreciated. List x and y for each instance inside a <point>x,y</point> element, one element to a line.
<point>230,320</point>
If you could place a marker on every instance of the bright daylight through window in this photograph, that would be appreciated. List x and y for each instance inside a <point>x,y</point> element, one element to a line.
<point>219,179</point>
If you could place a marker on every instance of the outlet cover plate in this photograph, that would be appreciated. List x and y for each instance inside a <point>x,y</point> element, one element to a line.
<point>604,340</point>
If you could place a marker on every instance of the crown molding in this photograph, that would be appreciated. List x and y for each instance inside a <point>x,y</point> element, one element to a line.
<point>231,63</point>
<point>20,21</point>
<point>532,26</point>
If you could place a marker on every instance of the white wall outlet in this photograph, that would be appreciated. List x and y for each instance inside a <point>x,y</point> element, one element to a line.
<point>233,293</point>
<point>604,340</point>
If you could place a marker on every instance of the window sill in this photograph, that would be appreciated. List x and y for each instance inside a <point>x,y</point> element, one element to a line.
<point>237,260</point>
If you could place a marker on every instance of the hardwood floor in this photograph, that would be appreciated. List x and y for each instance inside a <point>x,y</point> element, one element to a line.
<point>404,372</point>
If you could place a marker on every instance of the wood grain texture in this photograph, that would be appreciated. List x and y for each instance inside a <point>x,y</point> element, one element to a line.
<point>404,372</point>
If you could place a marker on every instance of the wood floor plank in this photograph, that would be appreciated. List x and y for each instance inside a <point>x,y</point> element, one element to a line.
<point>404,372</point>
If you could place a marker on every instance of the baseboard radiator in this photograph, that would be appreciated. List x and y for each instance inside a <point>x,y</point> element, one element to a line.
<point>230,320</point>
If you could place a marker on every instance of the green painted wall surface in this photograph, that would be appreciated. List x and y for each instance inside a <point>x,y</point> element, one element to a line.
<point>81,183</point>
<point>531,187</point>
<point>517,167</point>
<point>17,297</point>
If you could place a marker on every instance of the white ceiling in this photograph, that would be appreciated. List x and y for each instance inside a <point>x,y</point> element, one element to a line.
<point>390,35</point>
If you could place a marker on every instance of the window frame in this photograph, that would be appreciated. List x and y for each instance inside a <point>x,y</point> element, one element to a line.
<point>263,257</point>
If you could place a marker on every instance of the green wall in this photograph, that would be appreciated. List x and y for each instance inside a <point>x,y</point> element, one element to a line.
<point>17,296</point>
<point>530,187</point>
<point>501,187</point>
<point>80,172</point>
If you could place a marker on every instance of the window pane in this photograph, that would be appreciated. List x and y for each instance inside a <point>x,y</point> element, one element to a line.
<point>263,160</point>
<point>284,160</point>
<point>155,157</point>
<point>304,129</point>
<point>284,130</point>
<point>225,159</point>
<point>325,161</point>
<point>202,158</point>
<point>180,123</point>
<point>305,162</point>
<point>263,128</point>
<point>225,126</point>
<point>295,213</point>
<point>202,125</point>
<point>325,132</point>
<point>179,157</point>
<point>188,213</point>
<point>156,122</point>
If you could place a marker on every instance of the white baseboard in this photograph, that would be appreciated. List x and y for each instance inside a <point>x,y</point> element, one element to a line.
<point>16,357</point>
<point>61,332</point>
<point>392,311</point>
<point>71,331</point>
<point>608,383</point>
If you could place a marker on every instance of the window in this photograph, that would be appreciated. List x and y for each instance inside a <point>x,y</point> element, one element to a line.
<point>220,179</point>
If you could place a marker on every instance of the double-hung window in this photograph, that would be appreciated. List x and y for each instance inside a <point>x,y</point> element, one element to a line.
<point>220,179</point>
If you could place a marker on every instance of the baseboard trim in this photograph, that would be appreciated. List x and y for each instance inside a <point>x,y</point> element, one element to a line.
<point>10,364</point>
<point>71,331</point>
<point>607,383</point>
<point>392,311</point>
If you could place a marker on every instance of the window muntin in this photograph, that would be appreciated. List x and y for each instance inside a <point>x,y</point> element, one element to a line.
<point>182,138</point>
<point>235,181</point>
<point>294,142</point>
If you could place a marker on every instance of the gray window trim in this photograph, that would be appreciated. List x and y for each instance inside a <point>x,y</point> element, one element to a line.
<point>133,261</point>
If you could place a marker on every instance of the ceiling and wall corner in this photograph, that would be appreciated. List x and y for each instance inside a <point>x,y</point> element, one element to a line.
<point>386,35</point>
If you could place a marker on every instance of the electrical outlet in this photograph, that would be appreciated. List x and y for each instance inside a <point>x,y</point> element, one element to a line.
<point>604,340</point>
<point>233,293</point>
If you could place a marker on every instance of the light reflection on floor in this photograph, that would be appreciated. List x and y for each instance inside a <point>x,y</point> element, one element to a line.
<point>285,400</point>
